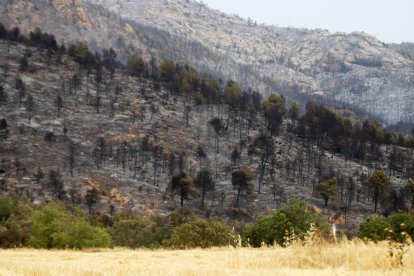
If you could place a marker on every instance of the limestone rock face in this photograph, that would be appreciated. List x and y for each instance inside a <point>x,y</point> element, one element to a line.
<point>75,11</point>
<point>356,69</point>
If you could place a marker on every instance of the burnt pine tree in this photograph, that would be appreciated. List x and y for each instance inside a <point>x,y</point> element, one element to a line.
<point>21,90</point>
<point>55,181</point>
<point>30,106</point>
<point>91,198</point>
<point>71,157</point>
<point>241,180</point>
<point>59,104</point>
<point>182,185</point>
<point>3,96</point>
<point>205,183</point>
<point>377,184</point>
<point>266,150</point>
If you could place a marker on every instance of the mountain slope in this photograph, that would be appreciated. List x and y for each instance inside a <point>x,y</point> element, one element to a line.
<point>351,69</point>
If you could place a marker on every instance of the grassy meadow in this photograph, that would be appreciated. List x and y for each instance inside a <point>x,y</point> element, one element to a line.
<point>347,258</point>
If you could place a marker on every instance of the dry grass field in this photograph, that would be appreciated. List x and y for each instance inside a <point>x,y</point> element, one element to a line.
<point>332,259</point>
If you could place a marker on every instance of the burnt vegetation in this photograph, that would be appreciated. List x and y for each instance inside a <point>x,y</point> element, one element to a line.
<point>154,135</point>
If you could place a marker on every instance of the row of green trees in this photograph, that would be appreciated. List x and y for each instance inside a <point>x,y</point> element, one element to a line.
<point>56,226</point>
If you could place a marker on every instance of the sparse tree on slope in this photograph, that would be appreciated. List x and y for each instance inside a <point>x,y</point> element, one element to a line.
<point>241,180</point>
<point>377,184</point>
<point>205,183</point>
<point>328,189</point>
<point>182,184</point>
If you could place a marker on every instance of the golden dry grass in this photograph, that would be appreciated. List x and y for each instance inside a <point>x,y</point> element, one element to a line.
<point>348,258</point>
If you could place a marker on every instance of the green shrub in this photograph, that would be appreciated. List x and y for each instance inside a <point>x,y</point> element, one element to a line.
<point>260,231</point>
<point>373,228</point>
<point>84,235</point>
<point>397,219</point>
<point>295,217</point>
<point>14,222</point>
<point>199,234</point>
<point>55,227</point>
<point>180,216</point>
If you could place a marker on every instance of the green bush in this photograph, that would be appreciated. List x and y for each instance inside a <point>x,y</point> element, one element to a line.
<point>139,232</point>
<point>200,234</point>
<point>180,216</point>
<point>295,217</point>
<point>395,220</point>
<point>54,227</point>
<point>373,228</point>
<point>14,222</point>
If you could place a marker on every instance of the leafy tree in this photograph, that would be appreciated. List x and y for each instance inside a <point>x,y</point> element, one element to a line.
<point>136,65</point>
<point>294,110</point>
<point>205,183</point>
<point>328,189</point>
<point>167,71</point>
<point>54,227</point>
<point>14,222</point>
<point>210,88</point>
<point>200,234</point>
<point>232,94</point>
<point>295,217</point>
<point>241,180</point>
<point>187,80</point>
<point>274,109</point>
<point>182,184</point>
<point>377,184</point>
<point>81,53</point>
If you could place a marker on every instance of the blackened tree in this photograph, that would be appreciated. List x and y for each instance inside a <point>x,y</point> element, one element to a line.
<point>91,198</point>
<point>182,185</point>
<point>30,106</point>
<point>21,90</point>
<point>56,182</point>
<point>205,183</point>
<point>3,96</point>
<point>241,180</point>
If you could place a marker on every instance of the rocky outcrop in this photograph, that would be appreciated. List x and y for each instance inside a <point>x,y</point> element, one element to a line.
<point>75,11</point>
<point>356,69</point>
